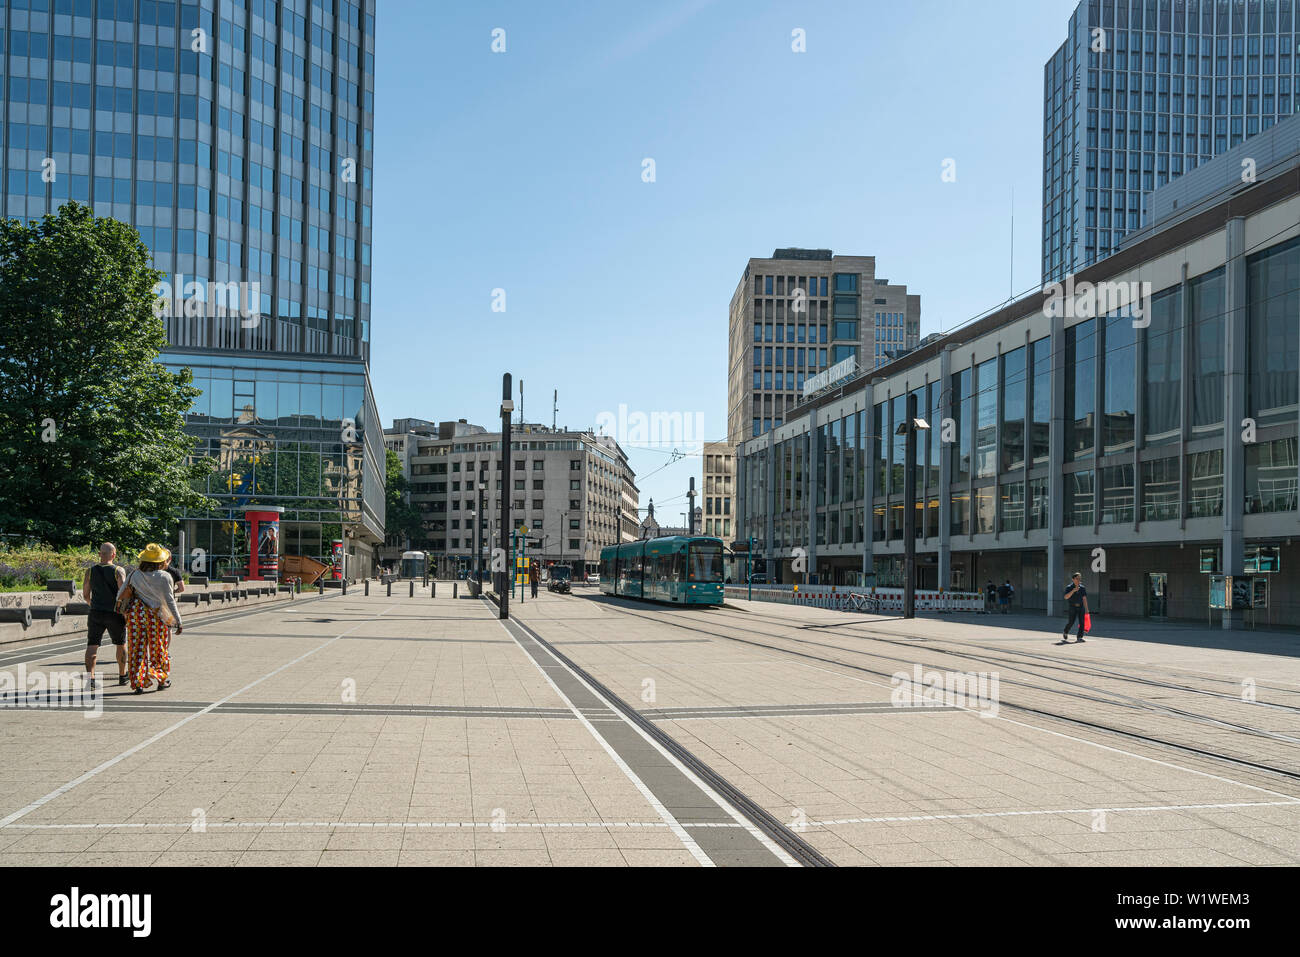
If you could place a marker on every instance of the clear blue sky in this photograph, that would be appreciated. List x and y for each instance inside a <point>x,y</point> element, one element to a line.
<point>523,171</point>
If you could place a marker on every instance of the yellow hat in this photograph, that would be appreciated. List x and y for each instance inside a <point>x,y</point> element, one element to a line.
<point>155,553</point>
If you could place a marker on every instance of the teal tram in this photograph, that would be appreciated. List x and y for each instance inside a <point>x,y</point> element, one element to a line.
<point>682,570</point>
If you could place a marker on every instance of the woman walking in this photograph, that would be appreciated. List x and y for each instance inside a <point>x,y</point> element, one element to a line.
<point>151,613</point>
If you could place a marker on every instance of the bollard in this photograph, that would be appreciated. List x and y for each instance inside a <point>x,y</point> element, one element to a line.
<point>367,587</point>
<point>345,586</point>
<point>433,590</point>
<point>390,589</point>
<point>320,586</point>
<point>455,587</point>
<point>411,593</point>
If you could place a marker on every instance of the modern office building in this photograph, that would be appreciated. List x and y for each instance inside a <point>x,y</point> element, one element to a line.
<point>1143,91</point>
<point>719,490</point>
<point>573,491</point>
<point>236,137</point>
<point>1138,424</point>
<point>799,313</point>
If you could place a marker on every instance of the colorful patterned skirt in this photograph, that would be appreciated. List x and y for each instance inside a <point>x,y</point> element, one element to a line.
<point>148,644</point>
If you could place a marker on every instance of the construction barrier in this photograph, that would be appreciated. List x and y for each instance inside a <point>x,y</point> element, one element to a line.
<point>834,596</point>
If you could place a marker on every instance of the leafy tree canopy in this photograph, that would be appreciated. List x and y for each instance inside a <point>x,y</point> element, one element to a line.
<point>92,444</point>
<point>400,517</point>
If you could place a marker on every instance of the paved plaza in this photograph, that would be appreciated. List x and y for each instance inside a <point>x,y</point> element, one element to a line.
<point>374,730</point>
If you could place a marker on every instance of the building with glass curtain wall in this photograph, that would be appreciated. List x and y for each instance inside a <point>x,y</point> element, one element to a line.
<point>236,137</point>
<point>1143,91</point>
<point>1162,439</point>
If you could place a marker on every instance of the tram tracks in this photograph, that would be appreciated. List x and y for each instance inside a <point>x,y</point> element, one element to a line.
<point>714,629</point>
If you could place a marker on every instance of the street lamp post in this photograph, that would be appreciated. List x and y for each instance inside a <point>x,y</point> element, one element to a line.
<point>909,428</point>
<point>507,407</point>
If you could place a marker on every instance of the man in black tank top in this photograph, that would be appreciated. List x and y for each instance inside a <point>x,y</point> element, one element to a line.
<point>99,587</point>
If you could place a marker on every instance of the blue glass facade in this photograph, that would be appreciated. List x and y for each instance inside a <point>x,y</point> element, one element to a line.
<point>1143,91</point>
<point>236,135</point>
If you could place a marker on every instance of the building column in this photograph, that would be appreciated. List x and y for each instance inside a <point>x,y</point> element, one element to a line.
<point>945,470</point>
<point>1056,482</point>
<point>1234,400</point>
<point>813,487</point>
<point>769,500</point>
<point>869,484</point>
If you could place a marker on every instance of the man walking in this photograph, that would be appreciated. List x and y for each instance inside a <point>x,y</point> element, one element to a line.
<point>534,576</point>
<point>1076,600</point>
<point>99,587</point>
<point>1005,593</point>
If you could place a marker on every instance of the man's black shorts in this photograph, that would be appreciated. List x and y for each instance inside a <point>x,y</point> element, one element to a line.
<point>101,620</point>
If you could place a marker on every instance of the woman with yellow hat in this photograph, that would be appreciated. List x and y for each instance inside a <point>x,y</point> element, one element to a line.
<point>151,613</point>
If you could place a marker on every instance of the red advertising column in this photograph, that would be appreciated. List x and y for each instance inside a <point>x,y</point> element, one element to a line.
<point>336,559</point>
<point>264,542</point>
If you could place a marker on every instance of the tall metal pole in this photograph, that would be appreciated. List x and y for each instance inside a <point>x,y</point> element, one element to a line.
<point>690,518</point>
<point>480,534</point>
<point>749,568</point>
<point>507,407</point>
<point>909,511</point>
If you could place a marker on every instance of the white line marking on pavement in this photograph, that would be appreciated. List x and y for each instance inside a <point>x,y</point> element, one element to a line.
<point>64,789</point>
<point>481,825</point>
<point>758,835</point>
<point>1089,810</point>
<point>497,825</point>
<point>687,841</point>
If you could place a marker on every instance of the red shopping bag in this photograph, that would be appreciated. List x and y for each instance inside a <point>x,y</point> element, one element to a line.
<point>1087,621</point>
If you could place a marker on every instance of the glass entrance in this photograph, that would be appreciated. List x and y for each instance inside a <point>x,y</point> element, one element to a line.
<point>1157,602</point>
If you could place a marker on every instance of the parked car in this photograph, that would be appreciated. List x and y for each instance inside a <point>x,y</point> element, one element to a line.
<point>593,578</point>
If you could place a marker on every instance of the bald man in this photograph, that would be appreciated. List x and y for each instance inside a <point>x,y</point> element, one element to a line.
<point>99,588</point>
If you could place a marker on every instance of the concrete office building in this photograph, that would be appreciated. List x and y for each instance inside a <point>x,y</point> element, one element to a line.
<point>797,314</point>
<point>1148,447</point>
<point>245,163</point>
<point>719,490</point>
<point>573,491</point>
<point>1144,91</point>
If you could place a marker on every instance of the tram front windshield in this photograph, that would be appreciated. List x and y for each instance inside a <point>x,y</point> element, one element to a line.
<point>705,562</point>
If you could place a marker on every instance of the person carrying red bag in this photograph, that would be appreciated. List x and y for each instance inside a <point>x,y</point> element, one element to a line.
<point>1076,600</point>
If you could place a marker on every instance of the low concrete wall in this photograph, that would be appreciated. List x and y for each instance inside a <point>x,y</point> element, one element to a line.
<point>219,597</point>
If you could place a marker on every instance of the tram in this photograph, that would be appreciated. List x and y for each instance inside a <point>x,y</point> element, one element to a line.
<point>681,570</point>
<point>414,565</point>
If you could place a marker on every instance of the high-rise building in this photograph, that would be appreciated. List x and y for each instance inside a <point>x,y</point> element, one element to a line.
<point>799,313</point>
<point>1143,91</point>
<point>236,137</point>
<point>574,491</point>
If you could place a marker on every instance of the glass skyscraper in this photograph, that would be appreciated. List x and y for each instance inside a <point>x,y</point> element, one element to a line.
<point>236,135</point>
<point>1143,91</point>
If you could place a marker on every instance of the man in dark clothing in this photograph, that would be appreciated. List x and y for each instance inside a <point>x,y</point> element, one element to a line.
<point>1004,597</point>
<point>1076,601</point>
<point>990,596</point>
<point>99,587</point>
<point>534,576</point>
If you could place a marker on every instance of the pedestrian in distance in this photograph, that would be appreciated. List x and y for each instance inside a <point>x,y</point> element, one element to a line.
<point>990,596</point>
<point>1076,603</point>
<point>99,587</point>
<point>1004,597</point>
<point>534,576</point>
<point>149,604</point>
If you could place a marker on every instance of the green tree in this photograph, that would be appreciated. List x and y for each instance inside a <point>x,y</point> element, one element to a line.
<point>401,519</point>
<point>92,444</point>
